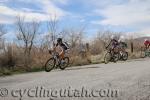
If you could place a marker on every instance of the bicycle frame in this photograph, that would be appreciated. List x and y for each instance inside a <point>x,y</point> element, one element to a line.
<point>57,62</point>
<point>55,55</point>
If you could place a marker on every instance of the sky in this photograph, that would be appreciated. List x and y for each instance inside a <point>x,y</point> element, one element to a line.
<point>127,16</point>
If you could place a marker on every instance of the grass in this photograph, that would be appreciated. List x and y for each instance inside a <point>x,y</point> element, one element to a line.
<point>5,72</point>
<point>8,72</point>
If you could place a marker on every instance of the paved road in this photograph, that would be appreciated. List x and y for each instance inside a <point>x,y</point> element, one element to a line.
<point>120,81</point>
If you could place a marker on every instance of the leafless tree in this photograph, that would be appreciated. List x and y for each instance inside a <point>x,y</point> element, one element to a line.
<point>74,36</point>
<point>2,44</point>
<point>3,31</point>
<point>26,34</point>
<point>101,40</point>
<point>104,36</point>
<point>41,49</point>
<point>52,26</point>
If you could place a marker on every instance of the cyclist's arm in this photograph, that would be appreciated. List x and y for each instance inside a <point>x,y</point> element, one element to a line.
<point>55,46</point>
<point>149,46</point>
<point>109,44</point>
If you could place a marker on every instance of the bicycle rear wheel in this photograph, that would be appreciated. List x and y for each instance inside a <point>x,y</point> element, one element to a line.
<point>50,64</point>
<point>65,63</point>
<point>125,56</point>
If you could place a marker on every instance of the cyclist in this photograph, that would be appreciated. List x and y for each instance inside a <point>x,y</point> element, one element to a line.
<point>122,43</point>
<point>147,44</point>
<point>61,48</point>
<point>114,44</point>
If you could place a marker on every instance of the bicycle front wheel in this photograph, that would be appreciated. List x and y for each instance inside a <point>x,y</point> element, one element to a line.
<point>50,64</point>
<point>107,58</point>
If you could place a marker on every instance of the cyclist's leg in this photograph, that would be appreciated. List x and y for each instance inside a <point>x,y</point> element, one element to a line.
<point>116,49</point>
<point>123,48</point>
<point>62,54</point>
<point>112,50</point>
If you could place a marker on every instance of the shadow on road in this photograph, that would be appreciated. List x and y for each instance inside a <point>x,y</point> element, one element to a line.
<point>78,68</point>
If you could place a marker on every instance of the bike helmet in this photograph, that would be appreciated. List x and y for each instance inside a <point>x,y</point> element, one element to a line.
<point>59,40</point>
<point>112,37</point>
<point>121,39</point>
<point>145,40</point>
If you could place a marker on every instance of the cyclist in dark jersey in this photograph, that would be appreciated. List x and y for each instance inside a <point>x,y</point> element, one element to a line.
<point>122,43</point>
<point>63,48</point>
<point>113,43</point>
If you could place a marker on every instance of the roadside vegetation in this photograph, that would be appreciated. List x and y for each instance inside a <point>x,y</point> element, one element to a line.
<point>30,51</point>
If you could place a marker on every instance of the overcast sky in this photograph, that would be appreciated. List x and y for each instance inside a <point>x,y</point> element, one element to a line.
<point>115,15</point>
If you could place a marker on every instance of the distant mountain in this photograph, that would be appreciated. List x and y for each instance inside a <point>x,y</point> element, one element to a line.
<point>141,39</point>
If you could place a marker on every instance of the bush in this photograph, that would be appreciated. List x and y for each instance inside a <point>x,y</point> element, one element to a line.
<point>5,71</point>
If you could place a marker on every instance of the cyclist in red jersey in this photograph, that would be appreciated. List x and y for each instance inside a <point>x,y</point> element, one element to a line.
<point>147,43</point>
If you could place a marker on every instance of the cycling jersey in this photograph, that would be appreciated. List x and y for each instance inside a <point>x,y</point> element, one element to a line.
<point>147,43</point>
<point>113,43</point>
<point>62,45</point>
<point>123,44</point>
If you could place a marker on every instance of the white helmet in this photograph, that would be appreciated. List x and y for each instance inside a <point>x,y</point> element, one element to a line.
<point>121,39</point>
<point>112,37</point>
<point>146,40</point>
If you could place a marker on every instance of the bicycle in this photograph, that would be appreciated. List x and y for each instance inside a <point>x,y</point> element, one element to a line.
<point>111,56</point>
<point>145,52</point>
<point>123,54</point>
<point>55,62</point>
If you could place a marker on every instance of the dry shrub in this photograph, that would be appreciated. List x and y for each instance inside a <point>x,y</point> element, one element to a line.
<point>134,55</point>
<point>78,61</point>
<point>97,47</point>
<point>39,57</point>
<point>8,58</point>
